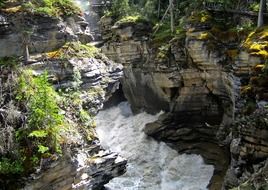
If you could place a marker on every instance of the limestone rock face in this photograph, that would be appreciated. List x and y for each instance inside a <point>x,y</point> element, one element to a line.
<point>84,163</point>
<point>191,84</point>
<point>245,62</point>
<point>84,168</point>
<point>126,52</point>
<point>181,86</point>
<point>127,43</point>
<point>40,33</point>
<point>248,149</point>
<point>197,84</point>
<point>97,78</point>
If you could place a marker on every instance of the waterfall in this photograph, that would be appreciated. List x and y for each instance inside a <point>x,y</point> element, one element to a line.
<point>152,165</point>
<point>91,16</point>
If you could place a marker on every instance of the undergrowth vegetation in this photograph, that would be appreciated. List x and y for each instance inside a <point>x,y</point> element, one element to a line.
<point>52,7</point>
<point>256,42</point>
<point>32,121</point>
<point>41,135</point>
<point>74,49</point>
<point>40,129</point>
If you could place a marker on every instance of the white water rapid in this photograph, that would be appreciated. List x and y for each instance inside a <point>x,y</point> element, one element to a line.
<point>151,165</point>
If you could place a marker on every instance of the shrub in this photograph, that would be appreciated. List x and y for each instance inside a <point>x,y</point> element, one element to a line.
<point>9,62</point>
<point>8,166</point>
<point>52,7</point>
<point>74,49</point>
<point>44,121</point>
<point>120,8</point>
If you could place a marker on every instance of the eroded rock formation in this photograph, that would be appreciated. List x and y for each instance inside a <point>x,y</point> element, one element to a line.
<point>197,83</point>
<point>40,33</point>
<point>84,164</point>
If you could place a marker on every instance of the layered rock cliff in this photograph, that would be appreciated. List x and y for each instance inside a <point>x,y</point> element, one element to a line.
<point>83,79</point>
<point>84,165</point>
<point>196,79</point>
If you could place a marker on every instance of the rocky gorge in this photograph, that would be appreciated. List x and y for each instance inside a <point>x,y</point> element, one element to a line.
<point>196,80</point>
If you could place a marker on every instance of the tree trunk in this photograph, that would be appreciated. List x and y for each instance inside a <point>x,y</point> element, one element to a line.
<point>159,8</point>
<point>26,47</point>
<point>171,15</point>
<point>261,11</point>
<point>26,54</point>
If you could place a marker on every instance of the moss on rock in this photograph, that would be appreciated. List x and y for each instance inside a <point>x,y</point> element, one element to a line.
<point>73,49</point>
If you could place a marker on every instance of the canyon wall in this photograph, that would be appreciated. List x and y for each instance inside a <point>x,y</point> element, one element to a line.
<point>87,80</point>
<point>196,79</point>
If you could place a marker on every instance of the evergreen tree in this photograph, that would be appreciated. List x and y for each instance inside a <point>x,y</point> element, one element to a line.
<point>120,8</point>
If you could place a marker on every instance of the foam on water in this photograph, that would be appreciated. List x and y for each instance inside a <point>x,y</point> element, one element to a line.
<point>151,165</point>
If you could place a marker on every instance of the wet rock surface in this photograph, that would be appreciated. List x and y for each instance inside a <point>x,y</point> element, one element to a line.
<point>88,167</point>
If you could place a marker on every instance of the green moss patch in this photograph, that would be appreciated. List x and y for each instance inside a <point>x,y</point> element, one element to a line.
<point>55,8</point>
<point>131,19</point>
<point>74,49</point>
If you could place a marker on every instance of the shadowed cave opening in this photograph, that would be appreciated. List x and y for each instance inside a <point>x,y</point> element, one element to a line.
<point>117,97</point>
<point>172,92</point>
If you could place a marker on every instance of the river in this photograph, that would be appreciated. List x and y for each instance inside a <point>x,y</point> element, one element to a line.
<point>152,165</point>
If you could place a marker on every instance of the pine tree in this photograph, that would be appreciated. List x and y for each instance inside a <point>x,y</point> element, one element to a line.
<point>120,8</point>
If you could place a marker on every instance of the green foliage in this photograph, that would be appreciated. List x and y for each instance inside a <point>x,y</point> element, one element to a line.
<point>38,134</point>
<point>200,17</point>
<point>120,8</point>
<point>254,6</point>
<point>10,62</point>
<point>42,149</point>
<point>164,34</point>
<point>72,101</point>
<point>85,118</point>
<point>163,51</point>
<point>52,7</point>
<point>148,9</point>
<point>2,3</point>
<point>70,98</point>
<point>8,166</point>
<point>74,49</point>
<point>131,19</point>
<point>256,44</point>
<point>44,121</point>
